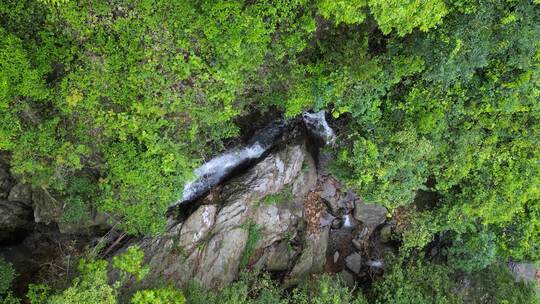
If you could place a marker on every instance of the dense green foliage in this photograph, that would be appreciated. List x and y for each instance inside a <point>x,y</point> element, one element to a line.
<point>7,274</point>
<point>411,282</point>
<point>110,106</point>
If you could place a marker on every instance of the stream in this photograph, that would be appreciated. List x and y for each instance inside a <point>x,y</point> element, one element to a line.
<point>221,167</point>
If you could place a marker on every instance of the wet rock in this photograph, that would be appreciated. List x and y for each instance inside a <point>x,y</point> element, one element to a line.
<point>347,202</point>
<point>369,214</point>
<point>46,208</point>
<point>21,193</point>
<point>6,182</point>
<point>279,257</point>
<point>354,262</point>
<point>337,223</point>
<point>220,259</point>
<point>386,234</point>
<point>325,159</point>
<point>311,260</point>
<point>339,203</point>
<point>327,219</point>
<point>347,278</point>
<point>13,216</point>
<point>197,226</point>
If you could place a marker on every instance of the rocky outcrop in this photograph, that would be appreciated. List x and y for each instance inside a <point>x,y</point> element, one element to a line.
<point>21,193</point>
<point>242,228</point>
<point>369,214</point>
<point>286,215</point>
<point>14,217</point>
<point>15,206</point>
<point>22,206</point>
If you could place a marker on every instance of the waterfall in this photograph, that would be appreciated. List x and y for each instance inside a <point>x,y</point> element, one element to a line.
<point>219,168</point>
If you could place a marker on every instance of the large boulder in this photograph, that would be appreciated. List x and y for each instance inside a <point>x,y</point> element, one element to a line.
<point>47,209</point>
<point>312,259</point>
<point>370,215</point>
<point>243,229</point>
<point>21,193</point>
<point>14,216</point>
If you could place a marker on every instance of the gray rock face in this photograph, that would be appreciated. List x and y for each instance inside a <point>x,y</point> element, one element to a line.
<point>6,182</point>
<point>279,257</point>
<point>13,216</point>
<point>354,262</point>
<point>210,244</point>
<point>21,193</point>
<point>312,258</point>
<point>46,208</point>
<point>347,278</point>
<point>221,257</point>
<point>319,128</point>
<point>369,214</point>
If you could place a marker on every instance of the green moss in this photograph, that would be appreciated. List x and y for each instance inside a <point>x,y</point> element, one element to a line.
<point>254,236</point>
<point>284,196</point>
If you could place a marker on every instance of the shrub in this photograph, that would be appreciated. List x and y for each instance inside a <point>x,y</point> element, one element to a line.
<point>7,275</point>
<point>415,282</point>
<point>158,296</point>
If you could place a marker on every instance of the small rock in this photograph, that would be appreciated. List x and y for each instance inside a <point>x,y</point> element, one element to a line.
<point>357,244</point>
<point>354,262</point>
<point>330,195</point>
<point>325,159</point>
<point>386,234</point>
<point>337,223</point>
<point>347,278</point>
<point>370,215</point>
<point>21,193</point>
<point>336,257</point>
<point>362,233</point>
<point>327,219</point>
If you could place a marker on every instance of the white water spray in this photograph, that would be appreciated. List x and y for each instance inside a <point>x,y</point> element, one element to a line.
<point>316,124</point>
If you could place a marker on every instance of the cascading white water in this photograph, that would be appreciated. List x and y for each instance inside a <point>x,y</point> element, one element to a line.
<point>219,168</point>
<point>213,171</point>
<point>316,124</point>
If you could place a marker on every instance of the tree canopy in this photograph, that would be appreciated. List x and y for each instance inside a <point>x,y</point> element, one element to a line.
<point>110,106</point>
